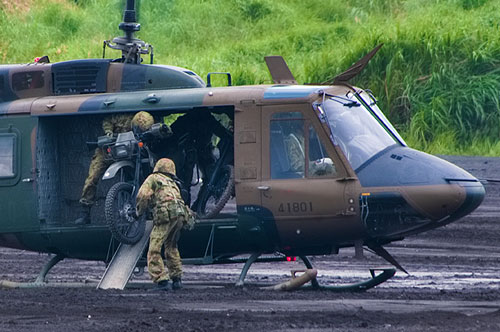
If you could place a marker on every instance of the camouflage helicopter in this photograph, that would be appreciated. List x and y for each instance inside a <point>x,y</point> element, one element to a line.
<point>307,169</point>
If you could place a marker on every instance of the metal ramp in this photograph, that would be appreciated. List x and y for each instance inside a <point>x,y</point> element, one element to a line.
<point>123,262</point>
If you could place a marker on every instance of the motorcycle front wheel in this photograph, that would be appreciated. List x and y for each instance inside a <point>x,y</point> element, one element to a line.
<point>119,210</point>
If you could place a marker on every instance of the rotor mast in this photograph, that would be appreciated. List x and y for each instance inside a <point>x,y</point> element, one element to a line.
<point>131,47</point>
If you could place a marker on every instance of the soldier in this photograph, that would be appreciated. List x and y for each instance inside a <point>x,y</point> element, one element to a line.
<point>114,124</point>
<point>170,214</point>
<point>194,132</point>
<point>295,149</point>
<point>142,122</point>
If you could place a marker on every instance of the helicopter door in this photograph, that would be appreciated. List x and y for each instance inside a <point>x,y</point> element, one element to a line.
<point>301,183</point>
<point>18,201</point>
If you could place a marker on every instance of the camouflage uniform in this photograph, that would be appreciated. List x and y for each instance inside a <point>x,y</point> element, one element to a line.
<point>142,121</point>
<point>295,150</point>
<point>116,123</point>
<point>170,214</point>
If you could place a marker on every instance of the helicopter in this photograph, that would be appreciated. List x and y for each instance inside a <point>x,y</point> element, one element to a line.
<point>313,168</point>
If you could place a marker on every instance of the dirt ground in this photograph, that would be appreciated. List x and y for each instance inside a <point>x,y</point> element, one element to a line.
<point>453,285</point>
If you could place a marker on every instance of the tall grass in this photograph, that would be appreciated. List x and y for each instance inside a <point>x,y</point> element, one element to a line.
<point>437,76</point>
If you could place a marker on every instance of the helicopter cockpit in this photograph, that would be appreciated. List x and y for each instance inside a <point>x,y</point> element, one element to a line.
<point>358,126</point>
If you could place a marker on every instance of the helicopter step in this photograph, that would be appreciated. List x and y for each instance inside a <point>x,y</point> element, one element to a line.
<point>124,261</point>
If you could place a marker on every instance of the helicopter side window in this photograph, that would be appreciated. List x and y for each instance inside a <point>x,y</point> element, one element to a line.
<point>28,80</point>
<point>7,148</point>
<point>287,146</point>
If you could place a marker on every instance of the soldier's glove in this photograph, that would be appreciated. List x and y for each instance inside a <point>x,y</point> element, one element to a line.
<point>190,218</point>
<point>109,134</point>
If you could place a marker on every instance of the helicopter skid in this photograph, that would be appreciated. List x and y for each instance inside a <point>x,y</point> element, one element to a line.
<point>384,275</point>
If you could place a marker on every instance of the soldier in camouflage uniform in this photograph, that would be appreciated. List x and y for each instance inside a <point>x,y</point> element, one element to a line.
<point>295,148</point>
<point>114,124</point>
<point>142,121</point>
<point>170,214</point>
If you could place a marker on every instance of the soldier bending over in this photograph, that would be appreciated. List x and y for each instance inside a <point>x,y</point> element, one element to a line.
<point>170,214</point>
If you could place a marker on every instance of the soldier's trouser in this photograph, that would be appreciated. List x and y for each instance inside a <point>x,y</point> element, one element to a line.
<point>97,167</point>
<point>169,234</point>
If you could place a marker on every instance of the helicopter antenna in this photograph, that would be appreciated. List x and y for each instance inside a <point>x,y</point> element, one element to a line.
<point>131,47</point>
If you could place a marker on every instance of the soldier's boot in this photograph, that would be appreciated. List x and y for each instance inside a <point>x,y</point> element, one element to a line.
<point>164,285</point>
<point>176,283</point>
<point>84,216</point>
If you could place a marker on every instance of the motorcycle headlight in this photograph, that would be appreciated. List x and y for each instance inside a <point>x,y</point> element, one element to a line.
<point>120,152</point>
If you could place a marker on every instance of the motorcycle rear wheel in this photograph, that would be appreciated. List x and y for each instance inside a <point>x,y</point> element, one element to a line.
<point>215,197</point>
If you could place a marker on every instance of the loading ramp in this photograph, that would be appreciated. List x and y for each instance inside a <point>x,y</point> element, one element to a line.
<point>124,260</point>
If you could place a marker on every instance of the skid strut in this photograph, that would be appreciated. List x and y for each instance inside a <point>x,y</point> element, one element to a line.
<point>244,271</point>
<point>47,267</point>
<point>308,264</point>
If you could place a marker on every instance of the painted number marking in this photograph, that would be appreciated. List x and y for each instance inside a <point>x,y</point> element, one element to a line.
<point>295,207</point>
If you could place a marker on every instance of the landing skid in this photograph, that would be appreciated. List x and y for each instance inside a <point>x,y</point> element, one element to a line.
<point>384,275</point>
<point>378,276</point>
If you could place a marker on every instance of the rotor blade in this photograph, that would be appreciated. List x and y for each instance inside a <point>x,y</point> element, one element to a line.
<point>279,70</point>
<point>355,69</point>
<point>379,250</point>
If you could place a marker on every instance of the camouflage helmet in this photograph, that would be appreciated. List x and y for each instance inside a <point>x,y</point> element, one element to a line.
<point>142,121</point>
<point>165,165</point>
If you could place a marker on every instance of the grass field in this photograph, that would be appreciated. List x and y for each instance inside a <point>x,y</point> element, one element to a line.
<point>437,76</point>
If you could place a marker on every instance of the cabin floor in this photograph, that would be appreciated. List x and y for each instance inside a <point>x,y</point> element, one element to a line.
<point>454,285</point>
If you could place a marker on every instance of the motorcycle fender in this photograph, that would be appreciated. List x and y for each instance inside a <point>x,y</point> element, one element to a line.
<point>115,167</point>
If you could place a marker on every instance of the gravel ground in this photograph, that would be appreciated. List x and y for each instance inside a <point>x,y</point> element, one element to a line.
<point>453,285</point>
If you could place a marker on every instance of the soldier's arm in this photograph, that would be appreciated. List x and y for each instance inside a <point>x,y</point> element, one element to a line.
<point>217,128</point>
<point>144,195</point>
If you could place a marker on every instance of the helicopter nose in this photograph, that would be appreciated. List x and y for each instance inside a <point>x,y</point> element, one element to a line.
<point>474,195</point>
<point>411,191</point>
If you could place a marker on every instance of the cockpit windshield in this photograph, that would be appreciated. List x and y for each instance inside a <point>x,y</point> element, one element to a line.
<point>360,132</point>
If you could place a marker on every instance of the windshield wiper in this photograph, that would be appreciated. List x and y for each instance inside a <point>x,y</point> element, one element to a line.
<point>346,102</point>
<point>372,97</point>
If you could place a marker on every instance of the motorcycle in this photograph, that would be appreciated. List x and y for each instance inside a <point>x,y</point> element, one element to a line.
<point>132,162</point>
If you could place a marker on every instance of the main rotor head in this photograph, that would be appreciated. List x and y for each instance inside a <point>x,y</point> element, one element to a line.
<point>131,47</point>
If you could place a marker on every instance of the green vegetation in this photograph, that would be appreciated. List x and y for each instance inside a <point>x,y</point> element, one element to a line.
<point>437,77</point>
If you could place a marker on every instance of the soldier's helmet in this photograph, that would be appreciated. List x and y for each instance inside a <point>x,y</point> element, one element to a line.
<point>165,165</point>
<point>142,121</point>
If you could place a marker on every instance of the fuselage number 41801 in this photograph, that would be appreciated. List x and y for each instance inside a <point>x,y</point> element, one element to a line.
<point>295,207</point>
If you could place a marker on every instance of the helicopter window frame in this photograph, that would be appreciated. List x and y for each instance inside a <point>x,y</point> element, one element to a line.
<point>8,152</point>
